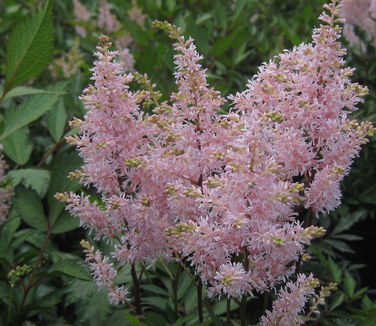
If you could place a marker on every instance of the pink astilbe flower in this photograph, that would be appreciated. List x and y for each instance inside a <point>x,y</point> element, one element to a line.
<point>136,15</point>
<point>231,279</point>
<point>126,60</point>
<point>80,14</point>
<point>104,274</point>
<point>106,20</point>
<point>362,14</point>
<point>221,192</point>
<point>6,191</point>
<point>290,303</point>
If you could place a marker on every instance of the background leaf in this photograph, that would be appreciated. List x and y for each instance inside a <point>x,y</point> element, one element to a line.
<point>25,90</point>
<point>36,179</point>
<point>18,146</point>
<point>29,207</point>
<point>30,47</point>
<point>31,109</point>
<point>56,119</point>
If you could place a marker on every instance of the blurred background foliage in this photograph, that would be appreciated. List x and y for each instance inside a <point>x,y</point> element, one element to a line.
<point>235,37</point>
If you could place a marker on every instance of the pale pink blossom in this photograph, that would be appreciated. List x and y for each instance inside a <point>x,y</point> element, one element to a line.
<point>82,15</point>
<point>6,190</point>
<point>290,303</point>
<point>222,192</point>
<point>107,20</point>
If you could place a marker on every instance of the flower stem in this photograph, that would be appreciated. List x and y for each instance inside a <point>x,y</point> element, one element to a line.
<point>175,287</point>
<point>199,301</point>
<point>136,290</point>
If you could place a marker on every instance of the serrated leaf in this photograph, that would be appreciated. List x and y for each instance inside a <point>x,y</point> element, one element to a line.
<point>367,303</point>
<point>339,245</point>
<point>24,90</point>
<point>349,285</point>
<point>347,222</point>
<point>155,289</point>
<point>60,167</point>
<point>18,146</point>
<point>336,301</point>
<point>36,179</point>
<point>185,283</point>
<point>8,230</point>
<point>65,223</point>
<point>71,267</point>
<point>56,120</point>
<point>91,304</point>
<point>334,270</point>
<point>31,109</point>
<point>29,48</point>
<point>158,302</point>
<point>29,207</point>
<point>348,237</point>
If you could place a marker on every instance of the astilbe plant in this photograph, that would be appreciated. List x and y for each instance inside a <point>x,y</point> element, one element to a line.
<point>221,192</point>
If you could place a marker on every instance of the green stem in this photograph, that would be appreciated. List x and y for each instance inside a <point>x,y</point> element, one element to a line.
<point>243,311</point>
<point>136,290</point>
<point>243,303</point>
<point>175,287</point>
<point>228,312</point>
<point>199,301</point>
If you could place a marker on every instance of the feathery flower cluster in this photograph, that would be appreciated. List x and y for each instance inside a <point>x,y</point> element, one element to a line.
<point>6,191</point>
<point>222,191</point>
<point>108,22</point>
<point>361,14</point>
<point>81,14</point>
<point>290,303</point>
<point>104,273</point>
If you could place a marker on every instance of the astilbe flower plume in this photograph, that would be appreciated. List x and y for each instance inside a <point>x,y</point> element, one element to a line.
<point>221,191</point>
<point>6,190</point>
<point>359,14</point>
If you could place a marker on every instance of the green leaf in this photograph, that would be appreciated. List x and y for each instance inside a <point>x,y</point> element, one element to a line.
<point>6,235</point>
<point>334,270</point>
<point>133,321</point>
<point>71,267</point>
<point>91,304</point>
<point>337,301</point>
<point>155,289</point>
<point>209,307</point>
<point>349,285</point>
<point>224,43</point>
<point>31,109</point>
<point>29,48</point>
<point>29,207</point>
<point>338,245</point>
<point>159,302</point>
<point>367,303</point>
<point>184,320</point>
<point>56,119</point>
<point>24,90</point>
<point>348,221</point>
<point>185,283</point>
<point>65,223</point>
<point>221,14</point>
<point>10,227</point>
<point>61,165</point>
<point>155,319</point>
<point>18,146</point>
<point>36,179</point>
